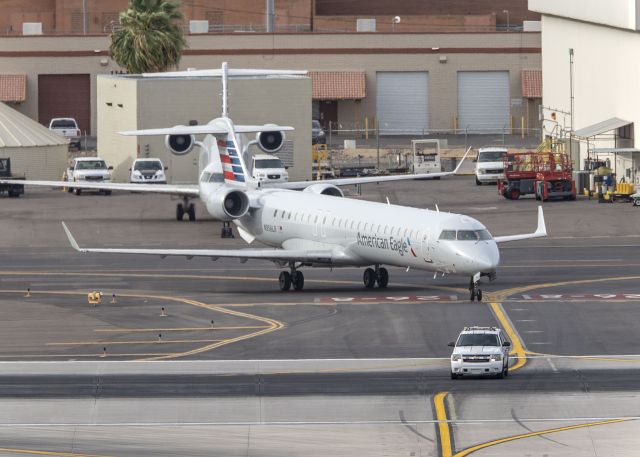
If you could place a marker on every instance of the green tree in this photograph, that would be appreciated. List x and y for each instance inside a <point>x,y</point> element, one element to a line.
<point>149,38</point>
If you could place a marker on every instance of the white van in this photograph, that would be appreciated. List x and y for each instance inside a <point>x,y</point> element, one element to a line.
<point>268,169</point>
<point>489,165</point>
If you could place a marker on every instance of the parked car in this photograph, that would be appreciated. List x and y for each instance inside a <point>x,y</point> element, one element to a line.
<point>66,127</point>
<point>89,169</point>
<point>317,133</point>
<point>268,169</point>
<point>149,171</point>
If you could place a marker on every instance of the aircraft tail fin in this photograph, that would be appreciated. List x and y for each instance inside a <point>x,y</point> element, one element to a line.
<point>233,166</point>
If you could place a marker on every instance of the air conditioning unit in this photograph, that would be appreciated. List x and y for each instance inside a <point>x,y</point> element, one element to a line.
<point>32,28</point>
<point>366,25</point>
<point>198,26</point>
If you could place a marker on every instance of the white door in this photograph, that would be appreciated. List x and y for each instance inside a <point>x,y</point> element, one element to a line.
<point>427,247</point>
<point>402,102</point>
<point>483,101</point>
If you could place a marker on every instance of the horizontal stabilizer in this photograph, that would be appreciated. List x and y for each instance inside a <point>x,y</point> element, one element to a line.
<point>206,130</point>
<point>188,190</point>
<point>230,72</point>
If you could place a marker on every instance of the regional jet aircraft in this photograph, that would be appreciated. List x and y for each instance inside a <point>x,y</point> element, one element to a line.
<point>312,224</point>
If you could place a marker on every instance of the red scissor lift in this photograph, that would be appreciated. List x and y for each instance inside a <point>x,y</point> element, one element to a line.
<point>545,174</point>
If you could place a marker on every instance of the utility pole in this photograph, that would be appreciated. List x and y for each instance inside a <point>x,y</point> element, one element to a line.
<point>571,102</point>
<point>84,17</point>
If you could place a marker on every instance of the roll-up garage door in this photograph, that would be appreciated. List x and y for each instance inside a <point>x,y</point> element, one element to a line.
<point>65,96</point>
<point>483,101</point>
<point>402,102</point>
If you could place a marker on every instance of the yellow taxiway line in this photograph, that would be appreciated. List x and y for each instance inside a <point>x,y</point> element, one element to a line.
<point>517,348</point>
<point>444,431</point>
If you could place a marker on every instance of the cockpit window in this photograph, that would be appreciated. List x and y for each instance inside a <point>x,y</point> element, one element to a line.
<point>448,235</point>
<point>205,176</point>
<point>216,177</point>
<point>465,235</point>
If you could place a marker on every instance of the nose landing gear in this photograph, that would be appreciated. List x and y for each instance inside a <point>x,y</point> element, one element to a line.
<point>474,287</point>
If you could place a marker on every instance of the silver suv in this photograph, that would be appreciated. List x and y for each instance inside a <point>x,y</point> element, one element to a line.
<point>480,351</point>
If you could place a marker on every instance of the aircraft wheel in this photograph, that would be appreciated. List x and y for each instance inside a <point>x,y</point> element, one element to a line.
<point>383,278</point>
<point>479,294</point>
<point>515,194</point>
<point>369,278</point>
<point>191,211</point>
<point>284,281</point>
<point>473,295</point>
<point>297,278</point>
<point>179,212</point>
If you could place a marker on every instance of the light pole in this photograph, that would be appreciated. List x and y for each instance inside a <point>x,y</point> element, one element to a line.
<point>507,13</point>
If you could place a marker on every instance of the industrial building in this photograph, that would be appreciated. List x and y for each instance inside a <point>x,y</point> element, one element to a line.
<point>590,78</point>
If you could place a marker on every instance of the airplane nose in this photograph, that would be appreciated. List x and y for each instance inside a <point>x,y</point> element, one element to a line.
<point>487,258</point>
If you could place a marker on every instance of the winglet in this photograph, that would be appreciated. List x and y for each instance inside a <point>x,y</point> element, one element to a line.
<point>72,240</point>
<point>542,227</point>
<point>460,163</point>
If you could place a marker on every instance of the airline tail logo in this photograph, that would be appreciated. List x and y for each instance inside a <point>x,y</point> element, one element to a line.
<point>231,164</point>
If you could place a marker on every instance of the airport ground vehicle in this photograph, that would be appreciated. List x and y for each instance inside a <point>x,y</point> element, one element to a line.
<point>13,190</point>
<point>268,169</point>
<point>481,351</point>
<point>548,175</point>
<point>148,170</point>
<point>66,127</point>
<point>490,165</point>
<point>91,170</point>
<point>426,156</point>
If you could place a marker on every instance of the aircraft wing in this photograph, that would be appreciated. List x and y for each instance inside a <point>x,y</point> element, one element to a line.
<point>276,255</point>
<point>206,130</point>
<point>171,189</point>
<point>541,231</point>
<point>371,179</point>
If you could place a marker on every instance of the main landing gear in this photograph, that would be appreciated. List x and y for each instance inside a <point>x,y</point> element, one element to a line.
<point>380,275</point>
<point>295,279</point>
<point>186,208</point>
<point>474,287</point>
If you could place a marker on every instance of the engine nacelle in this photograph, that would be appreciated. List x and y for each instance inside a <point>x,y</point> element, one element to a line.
<point>179,145</point>
<point>324,189</point>
<point>271,141</point>
<point>228,204</point>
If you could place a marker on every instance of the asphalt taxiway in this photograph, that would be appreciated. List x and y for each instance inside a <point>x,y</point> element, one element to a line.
<point>195,357</point>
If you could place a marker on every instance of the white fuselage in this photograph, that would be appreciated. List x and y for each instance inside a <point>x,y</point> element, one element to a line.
<point>368,233</point>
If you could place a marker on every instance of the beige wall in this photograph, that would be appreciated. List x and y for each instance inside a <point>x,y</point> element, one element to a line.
<point>38,162</point>
<point>167,102</point>
<point>362,53</point>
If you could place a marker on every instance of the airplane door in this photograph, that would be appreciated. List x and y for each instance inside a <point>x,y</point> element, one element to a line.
<point>427,247</point>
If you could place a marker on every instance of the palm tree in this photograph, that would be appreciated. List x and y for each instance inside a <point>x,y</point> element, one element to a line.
<point>149,38</point>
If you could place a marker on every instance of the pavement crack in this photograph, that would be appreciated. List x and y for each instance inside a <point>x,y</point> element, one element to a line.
<point>412,428</point>
<point>524,426</point>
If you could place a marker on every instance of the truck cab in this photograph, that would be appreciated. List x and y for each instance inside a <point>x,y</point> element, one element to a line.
<point>268,169</point>
<point>89,169</point>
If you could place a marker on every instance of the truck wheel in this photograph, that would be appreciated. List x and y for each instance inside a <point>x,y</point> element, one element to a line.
<point>514,194</point>
<point>478,183</point>
<point>77,191</point>
<point>70,190</point>
<point>179,212</point>
<point>107,192</point>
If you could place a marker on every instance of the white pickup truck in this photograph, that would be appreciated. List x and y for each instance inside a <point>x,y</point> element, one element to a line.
<point>66,127</point>
<point>267,169</point>
<point>88,169</point>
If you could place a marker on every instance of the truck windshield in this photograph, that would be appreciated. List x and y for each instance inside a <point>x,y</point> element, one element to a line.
<point>63,124</point>
<point>478,339</point>
<point>91,165</point>
<point>268,163</point>
<point>491,156</point>
<point>148,165</point>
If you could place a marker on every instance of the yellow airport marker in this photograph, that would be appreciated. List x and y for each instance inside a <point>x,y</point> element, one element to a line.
<point>94,298</point>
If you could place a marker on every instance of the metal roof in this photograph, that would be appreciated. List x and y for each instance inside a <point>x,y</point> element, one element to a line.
<point>601,127</point>
<point>18,130</point>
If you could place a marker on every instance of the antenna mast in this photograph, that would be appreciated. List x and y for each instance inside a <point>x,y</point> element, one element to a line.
<point>225,111</point>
